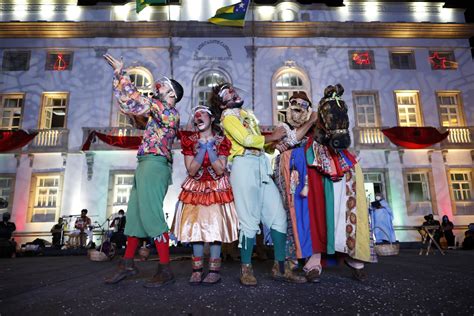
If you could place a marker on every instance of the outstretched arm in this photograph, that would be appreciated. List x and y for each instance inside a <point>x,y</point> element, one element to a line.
<point>129,98</point>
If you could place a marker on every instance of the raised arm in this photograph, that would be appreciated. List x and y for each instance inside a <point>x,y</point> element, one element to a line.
<point>129,98</point>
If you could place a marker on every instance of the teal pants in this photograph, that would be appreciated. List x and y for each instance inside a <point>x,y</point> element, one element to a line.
<point>145,216</point>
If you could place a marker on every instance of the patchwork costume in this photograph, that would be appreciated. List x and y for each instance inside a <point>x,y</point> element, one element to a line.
<point>145,216</point>
<point>324,196</point>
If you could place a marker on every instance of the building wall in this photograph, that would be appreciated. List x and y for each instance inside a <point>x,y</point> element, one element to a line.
<point>324,60</point>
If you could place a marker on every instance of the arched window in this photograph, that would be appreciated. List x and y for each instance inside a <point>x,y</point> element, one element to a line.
<point>286,81</point>
<point>143,80</point>
<point>204,82</point>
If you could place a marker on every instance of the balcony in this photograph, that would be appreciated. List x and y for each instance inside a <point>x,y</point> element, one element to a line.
<point>369,138</point>
<point>459,138</point>
<point>49,140</point>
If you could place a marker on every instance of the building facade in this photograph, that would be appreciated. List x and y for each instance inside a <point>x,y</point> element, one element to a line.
<point>401,64</point>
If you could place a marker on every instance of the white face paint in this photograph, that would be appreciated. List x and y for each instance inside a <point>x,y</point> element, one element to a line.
<point>202,120</point>
<point>378,198</point>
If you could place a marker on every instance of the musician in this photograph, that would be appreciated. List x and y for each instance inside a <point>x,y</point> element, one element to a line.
<point>57,231</point>
<point>82,228</point>
<point>118,224</point>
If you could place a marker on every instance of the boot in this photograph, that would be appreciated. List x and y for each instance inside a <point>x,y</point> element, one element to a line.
<point>358,274</point>
<point>288,276</point>
<point>125,269</point>
<point>162,277</point>
<point>313,275</point>
<point>213,276</point>
<point>196,276</point>
<point>246,275</point>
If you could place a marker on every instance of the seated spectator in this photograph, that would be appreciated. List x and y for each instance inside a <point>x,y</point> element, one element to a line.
<point>118,224</point>
<point>57,232</point>
<point>7,243</point>
<point>447,228</point>
<point>82,229</point>
<point>468,243</point>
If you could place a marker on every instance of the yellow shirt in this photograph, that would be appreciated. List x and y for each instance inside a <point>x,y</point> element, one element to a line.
<point>241,128</point>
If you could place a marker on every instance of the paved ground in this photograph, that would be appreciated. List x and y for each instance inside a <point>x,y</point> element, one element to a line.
<point>407,284</point>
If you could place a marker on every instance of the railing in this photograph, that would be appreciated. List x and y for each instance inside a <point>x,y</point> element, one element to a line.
<point>50,140</point>
<point>369,137</point>
<point>459,137</point>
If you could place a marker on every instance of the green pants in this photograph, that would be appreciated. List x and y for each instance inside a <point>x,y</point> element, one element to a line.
<point>145,216</point>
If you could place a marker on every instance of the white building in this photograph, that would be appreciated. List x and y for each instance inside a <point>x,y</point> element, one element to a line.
<point>401,64</point>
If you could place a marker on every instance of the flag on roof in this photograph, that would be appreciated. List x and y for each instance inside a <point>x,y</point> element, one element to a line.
<point>142,4</point>
<point>232,15</point>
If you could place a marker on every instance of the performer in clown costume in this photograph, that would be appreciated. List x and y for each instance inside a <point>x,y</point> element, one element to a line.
<point>145,216</point>
<point>256,197</point>
<point>205,211</point>
<point>322,185</point>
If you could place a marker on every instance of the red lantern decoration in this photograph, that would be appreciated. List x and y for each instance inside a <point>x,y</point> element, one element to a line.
<point>60,63</point>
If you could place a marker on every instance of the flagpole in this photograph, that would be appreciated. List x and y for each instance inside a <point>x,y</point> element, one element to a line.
<point>170,48</point>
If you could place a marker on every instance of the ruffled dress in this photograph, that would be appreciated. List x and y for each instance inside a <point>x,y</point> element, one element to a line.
<point>205,211</point>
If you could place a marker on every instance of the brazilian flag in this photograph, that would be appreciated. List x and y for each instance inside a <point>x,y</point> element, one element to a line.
<point>141,4</point>
<point>232,15</point>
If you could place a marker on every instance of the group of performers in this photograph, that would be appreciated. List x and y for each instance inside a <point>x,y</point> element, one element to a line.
<point>312,202</point>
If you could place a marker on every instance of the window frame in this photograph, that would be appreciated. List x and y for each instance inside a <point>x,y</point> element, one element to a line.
<point>418,113</point>
<point>201,74</point>
<point>353,66</point>
<point>12,178</point>
<point>42,118</point>
<point>411,59</point>
<point>306,87</point>
<point>111,205</point>
<point>453,62</point>
<point>431,203</point>
<point>460,107</point>
<point>2,108</point>
<point>460,207</point>
<point>35,177</point>
<point>377,115</point>
<point>47,67</point>
<point>385,180</point>
<point>28,52</point>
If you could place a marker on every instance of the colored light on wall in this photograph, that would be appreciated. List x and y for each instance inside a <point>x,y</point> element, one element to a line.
<point>361,58</point>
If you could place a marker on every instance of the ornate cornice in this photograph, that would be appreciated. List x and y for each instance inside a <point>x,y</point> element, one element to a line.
<point>120,29</point>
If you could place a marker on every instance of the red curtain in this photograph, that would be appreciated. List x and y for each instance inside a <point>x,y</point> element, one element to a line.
<point>11,140</point>
<point>414,137</point>
<point>128,142</point>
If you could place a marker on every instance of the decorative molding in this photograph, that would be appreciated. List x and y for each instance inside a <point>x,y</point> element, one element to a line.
<point>100,51</point>
<point>387,155</point>
<point>18,159</point>
<point>32,159</point>
<point>174,50</point>
<point>430,153</point>
<point>401,152</point>
<point>322,51</point>
<point>121,29</point>
<point>90,165</point>
<point>290,63</point>
<point>251,51</point>
<point>199,53</point>
<point>64,157</point>
<point>445,155</point>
